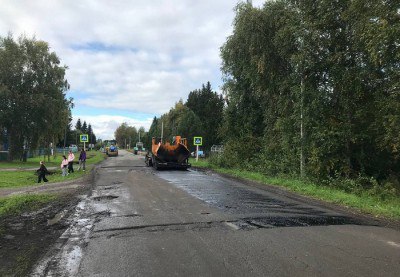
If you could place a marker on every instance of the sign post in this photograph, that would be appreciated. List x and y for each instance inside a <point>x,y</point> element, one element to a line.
<point>198,141</point>
<point>84,138</point>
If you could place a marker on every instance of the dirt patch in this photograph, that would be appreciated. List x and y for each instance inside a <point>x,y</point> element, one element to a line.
<point>25,238</point>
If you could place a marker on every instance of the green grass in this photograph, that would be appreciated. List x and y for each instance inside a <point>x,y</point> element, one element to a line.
<point>17,204</point>
<point>32,162</point>
<point>21,178</point>
<point>54,161</point>
<point>375,205</point>
<point>200,163</point>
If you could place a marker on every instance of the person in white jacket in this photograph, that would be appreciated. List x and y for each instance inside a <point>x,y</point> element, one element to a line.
<point>71,158</point>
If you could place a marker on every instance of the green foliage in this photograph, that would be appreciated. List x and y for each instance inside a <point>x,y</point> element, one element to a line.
<point>363,185</point>
<point>78,125</point>
<point>201,115</point>
<point>18,204</point>
<point>125,134</point>
<point>84,127</point>
<point>33,104</point>
<point>332,67</point>
<point>207,107</point>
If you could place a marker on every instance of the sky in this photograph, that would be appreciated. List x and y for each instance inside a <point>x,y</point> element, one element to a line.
<point>128,61</point>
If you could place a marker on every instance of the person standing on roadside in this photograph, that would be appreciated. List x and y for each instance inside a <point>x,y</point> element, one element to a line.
<point>82,160</point>
<point>71,158</point>
<point>64,165</point>
<point>42,171</point>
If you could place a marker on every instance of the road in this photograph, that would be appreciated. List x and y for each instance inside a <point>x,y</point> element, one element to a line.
<point>142,222</point>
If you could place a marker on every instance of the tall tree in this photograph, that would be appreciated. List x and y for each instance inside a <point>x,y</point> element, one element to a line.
<point>84,128</point>
<point>207,107</point>
<point>314,79</point>
<point>92,136</point>
<point>125,135</point>
<point>33,104</point>
<point>78,125</point>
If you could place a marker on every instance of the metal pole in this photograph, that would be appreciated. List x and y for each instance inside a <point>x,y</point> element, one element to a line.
<point>197,153</point>
<point>302,86</point>
<point>65,138</point>
<point>301,128</point>
<point>162,131</point>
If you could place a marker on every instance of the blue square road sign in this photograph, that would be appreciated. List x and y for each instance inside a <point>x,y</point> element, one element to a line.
<point>84,138</point>
<point>198,141</point>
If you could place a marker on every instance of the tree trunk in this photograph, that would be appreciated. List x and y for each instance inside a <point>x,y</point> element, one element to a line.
<point>10,152</point>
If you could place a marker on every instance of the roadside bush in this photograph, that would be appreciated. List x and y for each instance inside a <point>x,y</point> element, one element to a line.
<point>362,185</point>
<point>239,153</point>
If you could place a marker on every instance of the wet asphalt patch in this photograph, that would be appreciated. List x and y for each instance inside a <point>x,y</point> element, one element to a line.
<point>244,224</point>
<point>303,221</point>
<point>260,208</point>
<point>123,166</point>
<point>171,227</point>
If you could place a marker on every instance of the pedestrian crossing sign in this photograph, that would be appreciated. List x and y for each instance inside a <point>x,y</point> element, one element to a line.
<point>84,138</point>
<point>198,141</point>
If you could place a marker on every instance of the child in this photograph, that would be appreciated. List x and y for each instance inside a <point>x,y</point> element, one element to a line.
<point>64,165</point>
<point>42,171</point>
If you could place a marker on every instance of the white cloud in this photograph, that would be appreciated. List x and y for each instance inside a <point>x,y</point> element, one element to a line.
<point>137,56</point>
<point>105,125</point>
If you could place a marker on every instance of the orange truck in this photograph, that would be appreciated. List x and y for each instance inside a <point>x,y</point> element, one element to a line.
<point>168,155</point>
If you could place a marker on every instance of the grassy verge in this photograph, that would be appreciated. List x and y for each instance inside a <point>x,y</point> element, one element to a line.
<point>54,161</point>
<point>17,204</point>
<point>19,178</point>
<point>32,162</point>
<point>375,205</point>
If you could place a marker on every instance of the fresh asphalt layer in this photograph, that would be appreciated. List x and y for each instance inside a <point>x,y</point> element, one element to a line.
<point>143,222</point>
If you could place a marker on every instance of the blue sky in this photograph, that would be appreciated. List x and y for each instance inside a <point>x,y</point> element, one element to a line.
<point>128,61</point>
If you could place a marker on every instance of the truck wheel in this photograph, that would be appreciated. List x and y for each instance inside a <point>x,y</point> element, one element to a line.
<point>155,164</point>
<point>148,161</point>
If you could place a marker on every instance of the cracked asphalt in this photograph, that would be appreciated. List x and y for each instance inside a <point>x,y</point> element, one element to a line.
<point>142,222</point>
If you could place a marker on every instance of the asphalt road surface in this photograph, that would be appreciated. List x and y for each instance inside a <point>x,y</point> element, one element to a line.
<point>142,222</point>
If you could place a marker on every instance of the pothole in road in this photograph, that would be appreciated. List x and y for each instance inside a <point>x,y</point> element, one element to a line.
<point>105,197</point>
<point>108,188</point>
<point>56,219</point>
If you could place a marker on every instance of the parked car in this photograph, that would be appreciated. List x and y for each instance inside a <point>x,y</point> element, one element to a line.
<point>201,154</point>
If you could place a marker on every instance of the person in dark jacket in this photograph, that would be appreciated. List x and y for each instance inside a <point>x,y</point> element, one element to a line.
<point>82,160</point>
<point>42,171</point>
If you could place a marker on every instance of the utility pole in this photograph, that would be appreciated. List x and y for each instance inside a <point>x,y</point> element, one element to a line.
<point>162,131</point>
<point>302,88</point>
<point>65,138</point>
<point>301,126</point>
